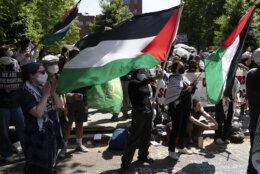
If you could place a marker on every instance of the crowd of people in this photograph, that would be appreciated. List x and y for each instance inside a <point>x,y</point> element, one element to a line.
<point>43,119</point>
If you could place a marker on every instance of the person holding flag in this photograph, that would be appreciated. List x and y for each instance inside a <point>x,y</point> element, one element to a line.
<point>139,91</point>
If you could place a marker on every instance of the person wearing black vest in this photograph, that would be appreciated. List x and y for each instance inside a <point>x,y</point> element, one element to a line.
<point>139,91</point>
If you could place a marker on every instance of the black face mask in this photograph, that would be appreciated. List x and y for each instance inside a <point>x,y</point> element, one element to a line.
<point>181,70</point>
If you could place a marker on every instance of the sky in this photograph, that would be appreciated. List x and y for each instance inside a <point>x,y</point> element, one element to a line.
<point>92,6</point>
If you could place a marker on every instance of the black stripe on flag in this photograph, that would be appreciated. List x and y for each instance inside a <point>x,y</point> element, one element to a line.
<point>67,19</point>
<point>141,26</point>
<point>234,64</point>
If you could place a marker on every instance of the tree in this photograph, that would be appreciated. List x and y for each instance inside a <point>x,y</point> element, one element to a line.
<point>35,18</point>
<point>234,10</point>
<point>11,23</point>
<point>113,12</point>
<point>197,21</point>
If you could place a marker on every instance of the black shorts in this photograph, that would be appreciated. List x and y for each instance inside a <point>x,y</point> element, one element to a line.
<point>78,111</point>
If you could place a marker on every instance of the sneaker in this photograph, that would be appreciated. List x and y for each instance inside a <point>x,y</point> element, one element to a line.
<point>227,141</point>
<point>219,141</point>
<point>185,150</point>
<point>173,155</point>
<point>82,148</point>
<point>9,159</point>
<point>63,152</point>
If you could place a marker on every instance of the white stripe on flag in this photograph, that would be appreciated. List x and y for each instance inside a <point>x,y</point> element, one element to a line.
<point>64,29</point>
<point>108,51</point>
<point>227,59</point>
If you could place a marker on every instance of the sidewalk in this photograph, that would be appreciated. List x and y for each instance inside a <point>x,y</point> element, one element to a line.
<point>213,159</point>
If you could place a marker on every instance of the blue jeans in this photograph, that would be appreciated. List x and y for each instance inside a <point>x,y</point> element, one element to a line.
<point>14,115</point>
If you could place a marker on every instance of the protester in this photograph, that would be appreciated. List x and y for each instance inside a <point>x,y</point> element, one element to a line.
<point>178,96</point>
<point>193,67</point>
<point>224,114</point>
<point>199,62</point>
<point>126,101</point>
<point>253,96</point>
<point>50,63</point>
<point>10,111</point>
<point>248,61</point>
<point>27,52</point>
<point>42,54</point>
<point>39,102</point>
<point>63,58</point>
<point>196,124</point>
<point>77,106</point>
<point>4,51</point>
<point>139,92</point>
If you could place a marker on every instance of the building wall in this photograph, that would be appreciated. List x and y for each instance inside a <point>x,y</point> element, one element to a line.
<point>83,24</point>
<point>135,7</point>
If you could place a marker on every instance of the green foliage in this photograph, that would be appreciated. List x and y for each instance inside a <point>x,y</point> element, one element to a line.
<point>234,10</point>
<point>35,18</point>
<point>197,21</point>
<point>113,12</point>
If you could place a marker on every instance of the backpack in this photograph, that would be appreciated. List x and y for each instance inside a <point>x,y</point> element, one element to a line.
<point>118,139</point>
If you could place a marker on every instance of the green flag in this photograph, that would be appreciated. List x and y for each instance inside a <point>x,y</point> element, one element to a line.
<point>107,97</point>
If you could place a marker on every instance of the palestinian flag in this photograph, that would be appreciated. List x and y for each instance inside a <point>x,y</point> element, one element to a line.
<point>221,65</point>
<point>140,42</point>
<point>62,27</point>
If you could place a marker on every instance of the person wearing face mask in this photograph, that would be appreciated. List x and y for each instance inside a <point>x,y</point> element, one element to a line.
<point>27,52</point>
<point>10,111</point>
<point>50,63</point>
<point>253,96</point>
<point>39,101</point>
<point>178,98</point>
<point>139,91</point>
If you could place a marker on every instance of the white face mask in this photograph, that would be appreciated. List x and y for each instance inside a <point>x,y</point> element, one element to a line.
<point>42,78</point>
<point>141,77</point>
<point>53,69</point>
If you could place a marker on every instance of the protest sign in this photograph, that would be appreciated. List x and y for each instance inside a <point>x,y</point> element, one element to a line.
<point>10,79</point>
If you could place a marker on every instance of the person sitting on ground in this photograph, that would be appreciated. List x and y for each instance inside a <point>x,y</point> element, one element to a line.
<point>196,127</point>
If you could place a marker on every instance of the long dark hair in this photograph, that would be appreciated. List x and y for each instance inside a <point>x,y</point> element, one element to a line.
<point>24,42</point>
<point>28,69</point>
<point>194,102</point>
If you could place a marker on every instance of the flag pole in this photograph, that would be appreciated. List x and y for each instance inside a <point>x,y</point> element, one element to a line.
<point>167,55</point>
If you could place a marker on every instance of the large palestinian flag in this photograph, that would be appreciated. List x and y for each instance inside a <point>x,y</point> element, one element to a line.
<point>62,27</point>
<point>140,42</point>
<point>222,63</point>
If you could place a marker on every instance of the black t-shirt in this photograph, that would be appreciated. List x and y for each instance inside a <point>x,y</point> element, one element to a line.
<point>196,114</point>
<point>139,93</point>
<point>9,100</point>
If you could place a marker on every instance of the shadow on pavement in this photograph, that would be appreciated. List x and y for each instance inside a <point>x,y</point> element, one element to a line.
<point>212,149</point>
<point>198,168</point>
<point>108,154</point>
<point>165,165</point>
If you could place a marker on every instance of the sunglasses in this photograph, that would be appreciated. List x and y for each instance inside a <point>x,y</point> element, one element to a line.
<point>41,71</point>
